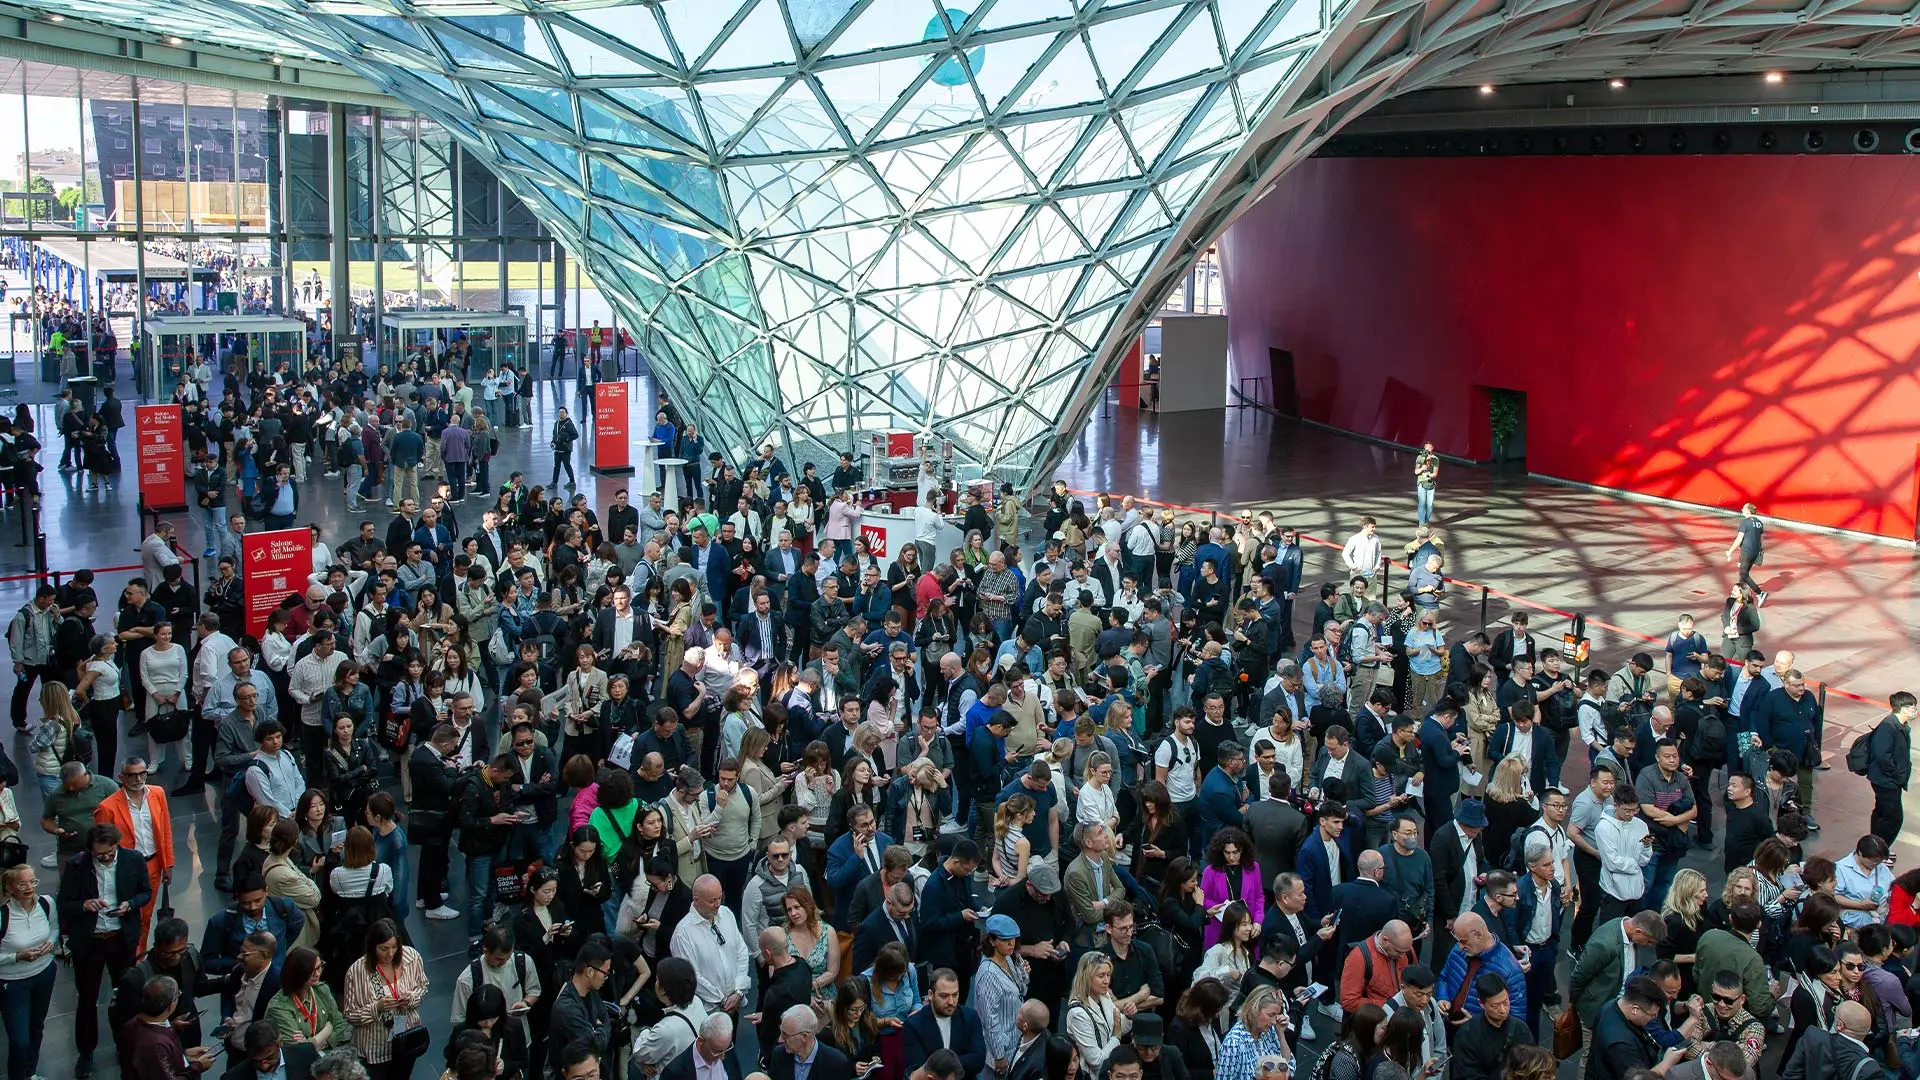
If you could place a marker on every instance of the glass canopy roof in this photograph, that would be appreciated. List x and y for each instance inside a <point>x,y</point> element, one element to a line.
<point>836,217</point>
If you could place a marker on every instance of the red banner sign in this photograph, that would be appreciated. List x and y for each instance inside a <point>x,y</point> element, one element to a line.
<point>162,456</point>
<point>876,538</point>
<point>276,563</point>
<point>610,416</point>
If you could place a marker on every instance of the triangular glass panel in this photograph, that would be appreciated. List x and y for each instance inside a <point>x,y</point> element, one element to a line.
<point>1045,291</point>
<point>973,234</point>
<point>1222,121</point>
<point>1197,49</point>
<point>813,20</point>
<point>729,106</point>
<point>1257,85</point>
<point>668,107</point>
<point>884,23</point>
<point>694,26</point>
<point>913,168</point>
<point>934,108</point>
<point>634,26</point>
<point>1094,214</point>
<point>1298,21</point>
<point>1105,158</point>
<point>988,172</point>
<point>589,56</point>
<point>759,41</point>
<point>1155,124</point>
<point>1239,21</point>
<point>932,309</point>
<point>767,188</point>
<point>793,123</point>
<point>1003,70</point>
<point>1119,44</point>
<point>911,260</point>
<point>1130,263</point>
<point>1181,189</point>
<point>388,26</point>
<point>604,125</point>
<point>476,50</point>
<point>1025,12</point>
<point>1069,79</point>
<point>1044,144</point>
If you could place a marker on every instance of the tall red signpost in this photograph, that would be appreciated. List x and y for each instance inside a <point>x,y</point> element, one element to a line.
<point>161,454</point>
<point>276,563</point>
<point>611,415</point>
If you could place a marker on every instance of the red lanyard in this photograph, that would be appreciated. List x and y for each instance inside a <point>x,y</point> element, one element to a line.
<point>309,1015</point>
<point>393,984</point>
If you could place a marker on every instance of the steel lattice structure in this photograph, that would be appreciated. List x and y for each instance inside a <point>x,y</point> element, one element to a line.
<point>835,217</point>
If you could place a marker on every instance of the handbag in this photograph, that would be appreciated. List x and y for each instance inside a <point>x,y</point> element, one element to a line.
<point>411,1044</point>
<point>170,726</point>
<point>13,852</point>
<point>164,910</point>
<point>1566,1033</point>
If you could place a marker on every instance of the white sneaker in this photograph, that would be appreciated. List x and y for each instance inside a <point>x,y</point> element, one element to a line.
<point>1333,1011</point>
<point>443,913</point>
<point>50,861</point>
<point>1306,1029</point>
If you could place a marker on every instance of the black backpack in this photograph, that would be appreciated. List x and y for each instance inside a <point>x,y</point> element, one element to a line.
<point>1860,755</point>
<point>1709,742</point>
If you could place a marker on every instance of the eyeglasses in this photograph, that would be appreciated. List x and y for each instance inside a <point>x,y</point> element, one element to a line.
<point>130,774</point>
<point>523,742</point>
<point>606,972</point>
<point>1852,965</point>
<point>771,855</point>
<point>1721,999</point>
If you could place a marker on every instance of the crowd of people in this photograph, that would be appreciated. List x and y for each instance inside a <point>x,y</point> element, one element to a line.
<point>1084,796</point>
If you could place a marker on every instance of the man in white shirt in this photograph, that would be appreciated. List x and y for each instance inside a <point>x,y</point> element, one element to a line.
<point>926,526</point>
<point>709,938</point>
<point>1362,551</point>
<point>311,679</point>
<point>675,986</point>
<point>1176,764</point>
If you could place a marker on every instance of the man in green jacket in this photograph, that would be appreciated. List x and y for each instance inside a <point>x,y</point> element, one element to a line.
<point>1720,951</point>
<point>1618,946</point>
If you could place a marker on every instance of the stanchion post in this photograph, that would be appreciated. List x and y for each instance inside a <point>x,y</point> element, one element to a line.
<point>1483,609</point>
<point>1386,581</point>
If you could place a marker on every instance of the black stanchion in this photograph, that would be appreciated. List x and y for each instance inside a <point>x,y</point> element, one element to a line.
<point>1483,609</point>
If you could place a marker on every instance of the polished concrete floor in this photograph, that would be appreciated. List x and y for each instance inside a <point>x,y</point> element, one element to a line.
<point>1843,605</point>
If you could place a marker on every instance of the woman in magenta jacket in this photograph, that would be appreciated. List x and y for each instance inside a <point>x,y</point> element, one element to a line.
<point>1231,875</point>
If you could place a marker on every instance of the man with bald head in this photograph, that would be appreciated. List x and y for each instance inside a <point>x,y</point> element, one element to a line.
<point>1029,1060</point>
<point>784,983</point>
<point>1838,1053</point>
<point>709,939</point>
<point>1365,904</point>
<point>1371,973</point>
<point>1478,952</point>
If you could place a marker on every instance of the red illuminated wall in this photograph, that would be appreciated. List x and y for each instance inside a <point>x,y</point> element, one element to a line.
<point>1710,329</point>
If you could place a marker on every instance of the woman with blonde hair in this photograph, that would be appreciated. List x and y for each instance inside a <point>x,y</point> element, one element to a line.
<point>1511,806</point>
<point>52,744</point>
<point>1094,1021</point>
<point>1011,847</point>
<point>768,786</point>
<point>1098,806</point>
<point>1685,915</point>
<point>919,812</point>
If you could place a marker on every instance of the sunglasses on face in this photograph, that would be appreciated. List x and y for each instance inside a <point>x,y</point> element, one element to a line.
<point>1720,999</point>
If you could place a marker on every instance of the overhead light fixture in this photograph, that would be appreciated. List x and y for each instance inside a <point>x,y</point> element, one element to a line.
<point>1775,77</point>
<point>172,40</point>
<point>1617,84</point>
<point>1486,88</point>
<point>276,58</point>
<point>56,17</point>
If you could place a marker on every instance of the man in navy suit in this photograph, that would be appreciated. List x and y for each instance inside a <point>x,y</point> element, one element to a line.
<point>1222,801</point>
<point>894,920</point>
<point>1364,904</point>
<point>1522,733</point>
<point>853,856</point>
<point>762,636</point>
<point>1537,887</point>
<point>718,567</point>
<point>713,1045</point>
<point>800,1042</point>
<point>1442,746</point>
<point>944,1025</point>
<point>1315,863</point>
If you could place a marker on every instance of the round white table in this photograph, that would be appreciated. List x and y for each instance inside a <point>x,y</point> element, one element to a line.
<point>643,468</point>
<point>670,490</point>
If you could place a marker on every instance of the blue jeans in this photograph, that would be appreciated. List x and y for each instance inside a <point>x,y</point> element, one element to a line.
<point>354,473</point>
<point>1423,504</point>
<point>479,893</point>
<point>1659,874</point>
<point>23,1006</point>
<point>213,522</point>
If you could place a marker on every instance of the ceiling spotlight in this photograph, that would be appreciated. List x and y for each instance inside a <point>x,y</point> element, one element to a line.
<point>173,40</point>
<point>1775,77</point>
<point>276,58</point>
<point>1486,88</point>
<point>1617,84</point>
<point>56,17</point>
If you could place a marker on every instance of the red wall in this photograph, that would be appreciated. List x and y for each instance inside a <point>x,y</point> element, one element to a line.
<point>1709,329</point>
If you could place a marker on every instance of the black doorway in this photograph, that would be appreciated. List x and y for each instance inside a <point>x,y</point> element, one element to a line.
<point>1286,393</point>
